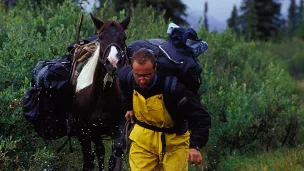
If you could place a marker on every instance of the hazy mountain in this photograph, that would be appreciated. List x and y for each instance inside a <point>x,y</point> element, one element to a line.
<point>195,19</point>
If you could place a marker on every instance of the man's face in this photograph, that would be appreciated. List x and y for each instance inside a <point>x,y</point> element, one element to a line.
<point>143,74</point>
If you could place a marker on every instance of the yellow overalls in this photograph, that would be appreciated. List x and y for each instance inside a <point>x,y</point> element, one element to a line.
<point>146,147</point>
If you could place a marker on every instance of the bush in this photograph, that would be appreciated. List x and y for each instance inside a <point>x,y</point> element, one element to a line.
<point>250,96</point>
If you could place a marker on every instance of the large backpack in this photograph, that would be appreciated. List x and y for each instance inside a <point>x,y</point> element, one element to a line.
<point>48,102</point>
<point>177,56</point>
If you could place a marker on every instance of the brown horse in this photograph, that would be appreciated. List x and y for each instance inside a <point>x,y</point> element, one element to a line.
<point>97,108</point>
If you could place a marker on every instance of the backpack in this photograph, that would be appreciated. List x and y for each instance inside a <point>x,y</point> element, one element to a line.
<point>47,104</point>
<point>48,101</point>
<point>177,56</point>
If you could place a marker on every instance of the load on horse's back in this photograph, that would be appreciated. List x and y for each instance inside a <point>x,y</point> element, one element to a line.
<point>177,56</point>
<point>79,94</point>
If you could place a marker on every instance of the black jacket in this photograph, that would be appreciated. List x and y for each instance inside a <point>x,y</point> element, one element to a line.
<point>182,105</point>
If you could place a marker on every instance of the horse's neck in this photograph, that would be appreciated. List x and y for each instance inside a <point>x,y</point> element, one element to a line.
<point>89,95</point>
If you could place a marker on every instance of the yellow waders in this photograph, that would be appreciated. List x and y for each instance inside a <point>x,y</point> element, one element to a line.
<point>146,151</point>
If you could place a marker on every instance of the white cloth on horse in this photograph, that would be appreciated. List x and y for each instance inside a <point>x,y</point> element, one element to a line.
<point>86,75</point>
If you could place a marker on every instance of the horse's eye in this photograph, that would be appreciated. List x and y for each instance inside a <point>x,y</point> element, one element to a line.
<point>100,37</point>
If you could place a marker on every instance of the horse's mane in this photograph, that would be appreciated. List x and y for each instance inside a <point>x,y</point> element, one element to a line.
<point>107,24</point>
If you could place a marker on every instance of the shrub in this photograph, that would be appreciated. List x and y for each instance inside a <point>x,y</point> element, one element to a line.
<point>250,97</point>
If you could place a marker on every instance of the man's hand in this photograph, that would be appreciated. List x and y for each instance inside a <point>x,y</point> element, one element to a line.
<point>129,116</point>
<point>194,157</point>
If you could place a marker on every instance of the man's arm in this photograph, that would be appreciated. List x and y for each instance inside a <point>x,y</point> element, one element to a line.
<point>198,117</point>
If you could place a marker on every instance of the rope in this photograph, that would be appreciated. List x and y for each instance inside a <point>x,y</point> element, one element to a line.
<point>126,132</point>
<point>81,54</point>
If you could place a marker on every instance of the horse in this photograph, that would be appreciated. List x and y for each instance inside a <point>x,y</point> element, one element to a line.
<point>97,105</point>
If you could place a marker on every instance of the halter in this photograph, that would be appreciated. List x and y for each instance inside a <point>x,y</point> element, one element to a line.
<point>122,52</point>
<point>111,71</point>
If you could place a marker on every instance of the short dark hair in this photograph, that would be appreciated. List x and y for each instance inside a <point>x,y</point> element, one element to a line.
<point>142,56</point>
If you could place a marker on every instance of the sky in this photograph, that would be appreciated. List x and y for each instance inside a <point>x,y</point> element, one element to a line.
<point>218,11</point>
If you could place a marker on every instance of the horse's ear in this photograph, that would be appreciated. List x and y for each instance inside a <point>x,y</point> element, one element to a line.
<point>97,22</point>
<point>124,24</point>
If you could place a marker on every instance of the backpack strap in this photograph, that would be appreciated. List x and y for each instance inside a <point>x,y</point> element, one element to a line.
<point>130,79</point>
<point>170,84</point>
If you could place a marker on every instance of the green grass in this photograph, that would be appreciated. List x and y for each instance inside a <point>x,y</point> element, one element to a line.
<point>287,159</point>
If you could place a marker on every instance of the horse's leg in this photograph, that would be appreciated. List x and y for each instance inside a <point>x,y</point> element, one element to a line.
<point>115,161</point>
<point>100,153</point>
<point>87,153</point>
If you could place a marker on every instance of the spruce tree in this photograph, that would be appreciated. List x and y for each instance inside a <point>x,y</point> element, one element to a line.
<point>206,25</point>
<point>301,11</point>
<point>232,22</point>
<point>249,19</point>
<point>260,19</point>
<point>300,28</point>
<point>292,17</point>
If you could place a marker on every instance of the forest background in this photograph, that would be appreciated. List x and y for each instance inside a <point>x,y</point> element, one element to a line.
<point>252,78</point>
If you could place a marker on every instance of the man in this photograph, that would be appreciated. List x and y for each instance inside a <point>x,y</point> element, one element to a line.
<point>161,111</point>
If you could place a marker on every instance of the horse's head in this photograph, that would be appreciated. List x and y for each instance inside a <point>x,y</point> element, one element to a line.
<point>111,54</point>
<point>112,40</point>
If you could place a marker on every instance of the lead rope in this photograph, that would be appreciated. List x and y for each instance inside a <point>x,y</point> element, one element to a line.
<point>126,132</point>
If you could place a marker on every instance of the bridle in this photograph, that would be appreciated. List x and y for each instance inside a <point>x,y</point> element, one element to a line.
<point>122,52</point>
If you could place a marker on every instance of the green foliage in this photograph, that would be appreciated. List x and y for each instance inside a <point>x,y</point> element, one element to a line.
<point>300,30</point>
<point>144,25</point>
<point>171,10</point>
<point>291,52</point>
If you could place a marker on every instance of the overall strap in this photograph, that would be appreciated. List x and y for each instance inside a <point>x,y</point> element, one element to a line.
<point>169,90</point>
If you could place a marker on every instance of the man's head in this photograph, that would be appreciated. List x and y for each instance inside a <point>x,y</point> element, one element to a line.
<point>144,67</point>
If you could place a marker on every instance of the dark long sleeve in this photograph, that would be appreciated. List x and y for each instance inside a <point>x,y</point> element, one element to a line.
<point>198,117</point>
<point>125,87</point>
